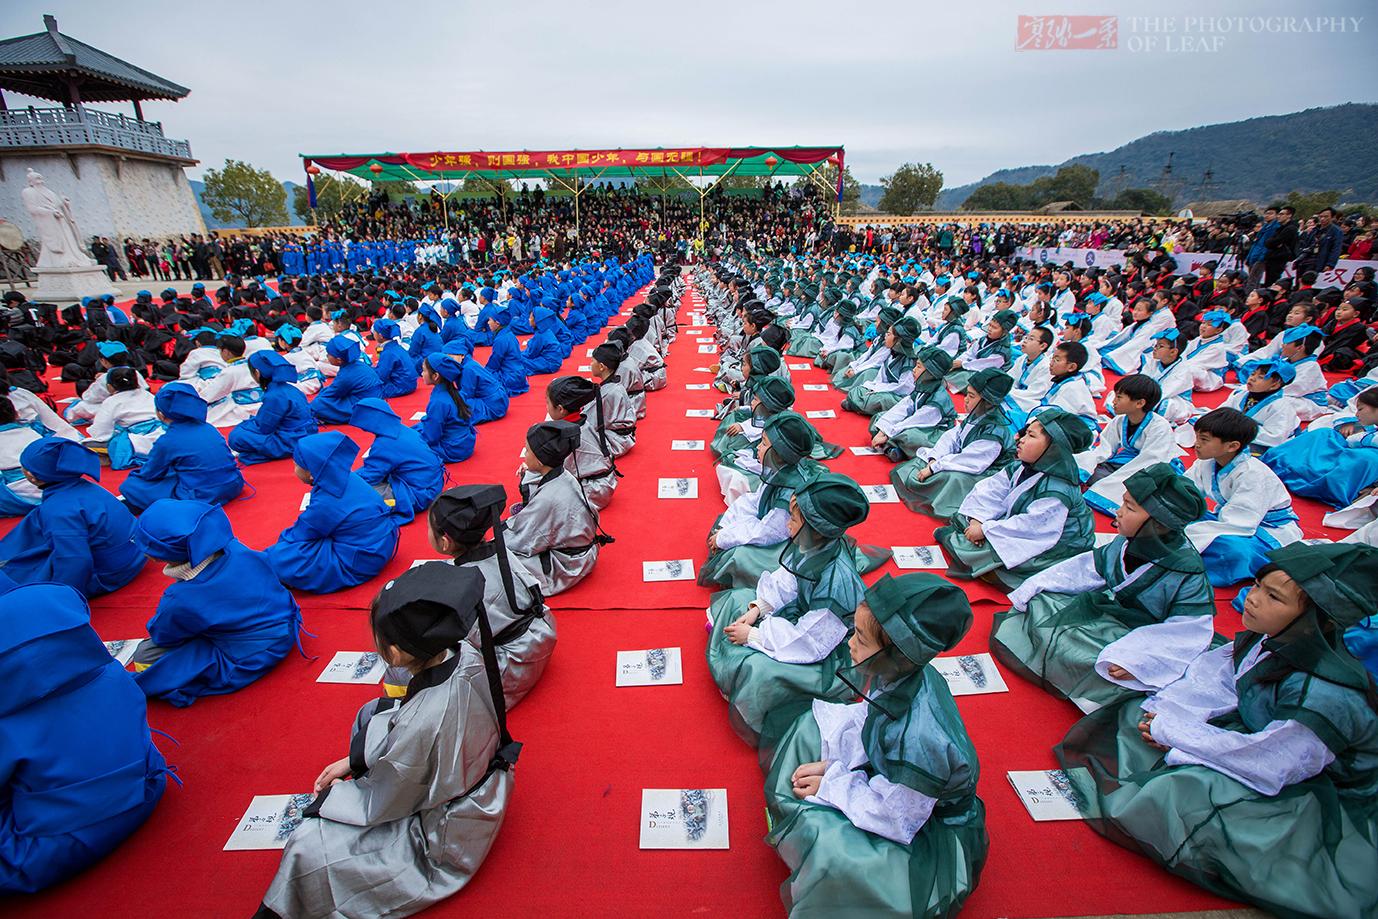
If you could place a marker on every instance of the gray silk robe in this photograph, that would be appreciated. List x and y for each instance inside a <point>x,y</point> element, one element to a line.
<point>399,837</point>
<point>554,531</point>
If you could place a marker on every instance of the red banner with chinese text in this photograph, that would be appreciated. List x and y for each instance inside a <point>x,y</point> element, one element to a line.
<point>684,157</point>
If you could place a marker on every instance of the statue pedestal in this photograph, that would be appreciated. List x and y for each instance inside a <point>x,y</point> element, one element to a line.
<point>68,285</point>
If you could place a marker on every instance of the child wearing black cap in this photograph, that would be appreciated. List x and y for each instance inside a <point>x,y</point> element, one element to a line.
<point>554,529</point>
<point>523,627</point>
<point>407,816</point>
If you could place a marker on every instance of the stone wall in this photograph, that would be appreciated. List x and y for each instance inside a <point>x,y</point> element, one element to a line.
<point>135,198</point>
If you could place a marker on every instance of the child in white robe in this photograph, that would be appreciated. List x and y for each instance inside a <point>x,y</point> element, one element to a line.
<point>1164,365</point>
<point>1068,390</point>
<point>126,425</point>
<point>1208,355</point>
<point>1264,399</point>
<point>1309,389</point>
<point>204,361</point>
<point>18,495</point>
<point>1032,379</point>
<point>1123,353</point>
<point>232,395</point>
<point>1251,508</point>
<point>1135,438</point>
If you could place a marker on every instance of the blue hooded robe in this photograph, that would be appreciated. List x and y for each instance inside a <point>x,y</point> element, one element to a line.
<point>448,431</point>
<point>79,534</point>
<point>398,459</point>
<point>486,396</point>
<point>395,369</point>
<point>346,534</point>
<point>354,381</point>
<point>543,352</point>
<point>519,307</point>
<point>222,628</point>
<point>191,461</point>
<point>283,418</point>
<point>505,361</point>
<point>425,340</point>
<point>78,770</point>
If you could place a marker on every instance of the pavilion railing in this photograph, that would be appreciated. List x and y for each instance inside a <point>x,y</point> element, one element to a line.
<point>48,127</point>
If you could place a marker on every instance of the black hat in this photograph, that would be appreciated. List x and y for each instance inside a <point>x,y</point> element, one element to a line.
<point>552,441</point>
<point>464,513</point>
<point>571,392</point>
<point>428,609</point>
<point>609,354</point>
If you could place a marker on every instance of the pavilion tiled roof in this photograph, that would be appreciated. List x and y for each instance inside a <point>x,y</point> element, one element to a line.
<point>41,65</point>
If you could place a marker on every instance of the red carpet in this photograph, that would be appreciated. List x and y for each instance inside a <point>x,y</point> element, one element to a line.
<point>569,847</point>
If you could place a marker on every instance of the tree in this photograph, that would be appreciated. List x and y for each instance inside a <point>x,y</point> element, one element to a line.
<point>912,187</point>
<point>1000,196</point>
<point>1144,200</point>
<point>332,194</point>
<point>1307,203</point>
<point>1070,183</point>
<point>239,192</point>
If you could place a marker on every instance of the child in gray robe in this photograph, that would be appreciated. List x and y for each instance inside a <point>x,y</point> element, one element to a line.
<point>555,529</point>
<point>406,818</point>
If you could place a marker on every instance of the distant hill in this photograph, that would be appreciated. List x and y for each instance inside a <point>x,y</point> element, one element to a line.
<point>1259,159</point>
<point>197,187</point>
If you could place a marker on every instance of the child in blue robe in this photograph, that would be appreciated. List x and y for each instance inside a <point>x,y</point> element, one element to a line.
<point>355,380</point>
<point>483,392</point>
<point>223,622</point>
<point>346,534</point>
<point>190,461</point>
<point>400,466</point>
<point>395,369</point>
<point>78,769</point>
<point>283,418</point>
<point>79,534</point>
<point>506,361</point>
<point>543,353</point>
<point>447,425</point>
<point>426,339</point>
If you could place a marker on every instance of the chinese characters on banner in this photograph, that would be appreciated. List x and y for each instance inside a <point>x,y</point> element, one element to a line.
<point>566,159</point>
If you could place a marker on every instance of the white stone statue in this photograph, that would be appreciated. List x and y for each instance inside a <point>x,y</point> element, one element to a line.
<point>57,230</point>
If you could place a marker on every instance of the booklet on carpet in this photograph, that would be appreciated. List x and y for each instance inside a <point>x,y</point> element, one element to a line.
<point>686,445</point>
<point>675,569</point>
<point>678,488</point>
<point>824,413</point>
<point>708,349</point>
<point>354,667</point>
<point>695,386</point>
<point>698,413</point>
<point>268,822</point>
<point>684,818</point>
<point>970,674</point>
<point>881,494</point>
<point>921,558</point>
<point>123,649</point>
<point>815,387</point>
<point>867,450</point>
<point>1047,794</point>
<point>800,366</point>
<point>652,667</point>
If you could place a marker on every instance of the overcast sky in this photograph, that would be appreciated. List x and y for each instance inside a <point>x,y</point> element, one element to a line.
<point>892,80</point>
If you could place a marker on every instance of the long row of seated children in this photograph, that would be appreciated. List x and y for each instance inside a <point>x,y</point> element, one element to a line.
<point>872,803</point>
<point>470,637</point>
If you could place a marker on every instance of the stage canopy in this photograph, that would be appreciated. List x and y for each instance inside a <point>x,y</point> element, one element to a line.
<point>579,164</point>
